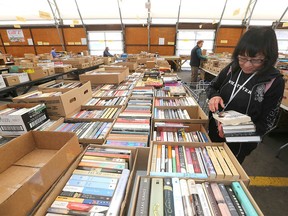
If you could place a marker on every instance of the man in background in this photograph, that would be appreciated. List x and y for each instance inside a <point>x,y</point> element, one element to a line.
<point>53,53</point>
<point>106,53</point>
<point>195,60</point>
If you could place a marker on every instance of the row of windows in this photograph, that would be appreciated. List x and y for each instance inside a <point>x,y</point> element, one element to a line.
<point>186,40</point>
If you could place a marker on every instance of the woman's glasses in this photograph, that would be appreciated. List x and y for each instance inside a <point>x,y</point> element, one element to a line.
<point>255,61</point>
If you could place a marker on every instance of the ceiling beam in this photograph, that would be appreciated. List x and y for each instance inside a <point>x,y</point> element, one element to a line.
<point>122,25</point>
<point>57,19</point>
<point>248,14</point>
<point>218,26</point>
<point>275,24</point>
<point>83,24</point>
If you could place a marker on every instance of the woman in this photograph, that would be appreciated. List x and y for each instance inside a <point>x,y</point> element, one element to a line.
<point>250,85</point>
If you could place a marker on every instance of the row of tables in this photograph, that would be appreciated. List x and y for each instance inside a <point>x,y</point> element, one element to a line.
<point>14,91</point>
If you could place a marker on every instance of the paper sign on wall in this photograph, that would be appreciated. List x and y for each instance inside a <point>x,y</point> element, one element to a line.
<point>161,41</point>
<point>45,43</point>
<point>6,44</point>
<point>15,35</point>
<point>224,41</point>
<point>77,43</point>
<point>39,43</point>
<point>17,26</point>
<point>30,41</point>
<point>83,41</point>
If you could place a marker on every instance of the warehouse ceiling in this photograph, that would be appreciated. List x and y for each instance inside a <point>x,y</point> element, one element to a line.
<point>27,12</point>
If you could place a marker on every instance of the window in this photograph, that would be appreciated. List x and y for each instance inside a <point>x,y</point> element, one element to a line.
<point>282,38</point>
<point>98,40</point>
<point>187,39</point>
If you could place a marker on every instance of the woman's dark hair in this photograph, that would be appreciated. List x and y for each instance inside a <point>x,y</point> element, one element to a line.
<point>258,40</point>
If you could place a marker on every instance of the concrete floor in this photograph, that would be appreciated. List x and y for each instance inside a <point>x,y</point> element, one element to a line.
<point>269,174</point>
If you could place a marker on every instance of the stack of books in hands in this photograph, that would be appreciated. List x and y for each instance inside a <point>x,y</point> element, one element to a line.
<point>237,127</point>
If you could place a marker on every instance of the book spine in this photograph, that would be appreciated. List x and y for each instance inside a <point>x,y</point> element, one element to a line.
<point>177,197</point>
<point>168,198</point>
<point>194,198</point>
<point>118,194</point>
<point>185,198</point>
<point>243,199</point>
<point>217,167</point>
<point>228,200</point>
<point>156,197</point>
<point>235,201</point>
<point>142,206</point>
<point>211,199</point>
<point>225,168</point>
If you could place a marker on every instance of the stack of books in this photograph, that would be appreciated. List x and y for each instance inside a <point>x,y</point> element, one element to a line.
<point>174,196</point>
<point>107,113</point>
<point>237,127</point>
<point>183,101</point>
<point>171,114</point>
<point>97,186</point>
<point>116,101</point>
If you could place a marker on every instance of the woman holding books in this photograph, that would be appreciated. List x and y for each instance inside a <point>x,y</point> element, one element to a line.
<point>251,85</point>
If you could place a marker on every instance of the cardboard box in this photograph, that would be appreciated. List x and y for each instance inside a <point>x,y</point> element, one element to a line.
<point>46,201</point>
<point>108,60</point>
<point>30,165</point>
<point>13,125</point>
<point>63,104</point>
<point>63,69</point>
<point>2,82</point>
<point>196,114</point>
<point>144,60</point>
<point>131,65</point>
<point>104,77</point>
<point>84,140</point>
<point>45,85</point>
<point>150,64</point>
<point>242,174</point>
<point>38,74</point>
<point>23,77</point>
<point>49,70</point>
<point>137,185</point>
<point>11,80</point>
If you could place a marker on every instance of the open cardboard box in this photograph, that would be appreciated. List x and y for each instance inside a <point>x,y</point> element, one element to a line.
<point>45,85</point>
<point>74,119</point>
<point>83,141</point>
<point>104,98</point>
<point>137,185</point>
<point>61,105</point>
<point>47,200</point>
<point>30,164</point>
<point>195,113</point>
<point>187,128</point>
<point>13,125</point>
<point>104,77</point>
<point>242,174</point>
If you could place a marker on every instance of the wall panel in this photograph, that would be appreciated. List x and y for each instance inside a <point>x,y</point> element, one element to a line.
<point>76,49</point>
<point>48,35</point>
<point>73,34</point>
<point>5,38</point>
<point>136,49</point>
<point>47,49</point>
<point>228,38</point>
<point>136,35</point>
<point>18,51</point>
<point>163,50</point>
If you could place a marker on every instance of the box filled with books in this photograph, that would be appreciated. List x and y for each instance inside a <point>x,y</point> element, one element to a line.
<point>30,165</point>
<point>58,103</point>
<point>17,119</point>
<point>195,160</point>
<point>105,102</point>
<point>111,93</point>
<point>175,101</point>
<point>60,85</point>
<point>90,186</point>
<point>179,132</point>
<point>184,196</point>
<point>87,132</point>
<point>107,114</point>
<point>192,114</point>
<point>104,77</point>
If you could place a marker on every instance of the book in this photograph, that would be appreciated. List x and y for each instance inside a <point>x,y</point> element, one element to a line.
<point>231,117</point>
<point>168,197</point>
<point>142,206</point>
<point>156,197</point>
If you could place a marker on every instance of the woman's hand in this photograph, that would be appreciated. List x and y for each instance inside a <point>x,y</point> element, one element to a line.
<point>220,130</point>
<point>214,103</point>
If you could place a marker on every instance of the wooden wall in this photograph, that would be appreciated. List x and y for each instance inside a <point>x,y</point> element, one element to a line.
<point>44,38</point>
<point>136,39</point>
<point>227,39</point>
